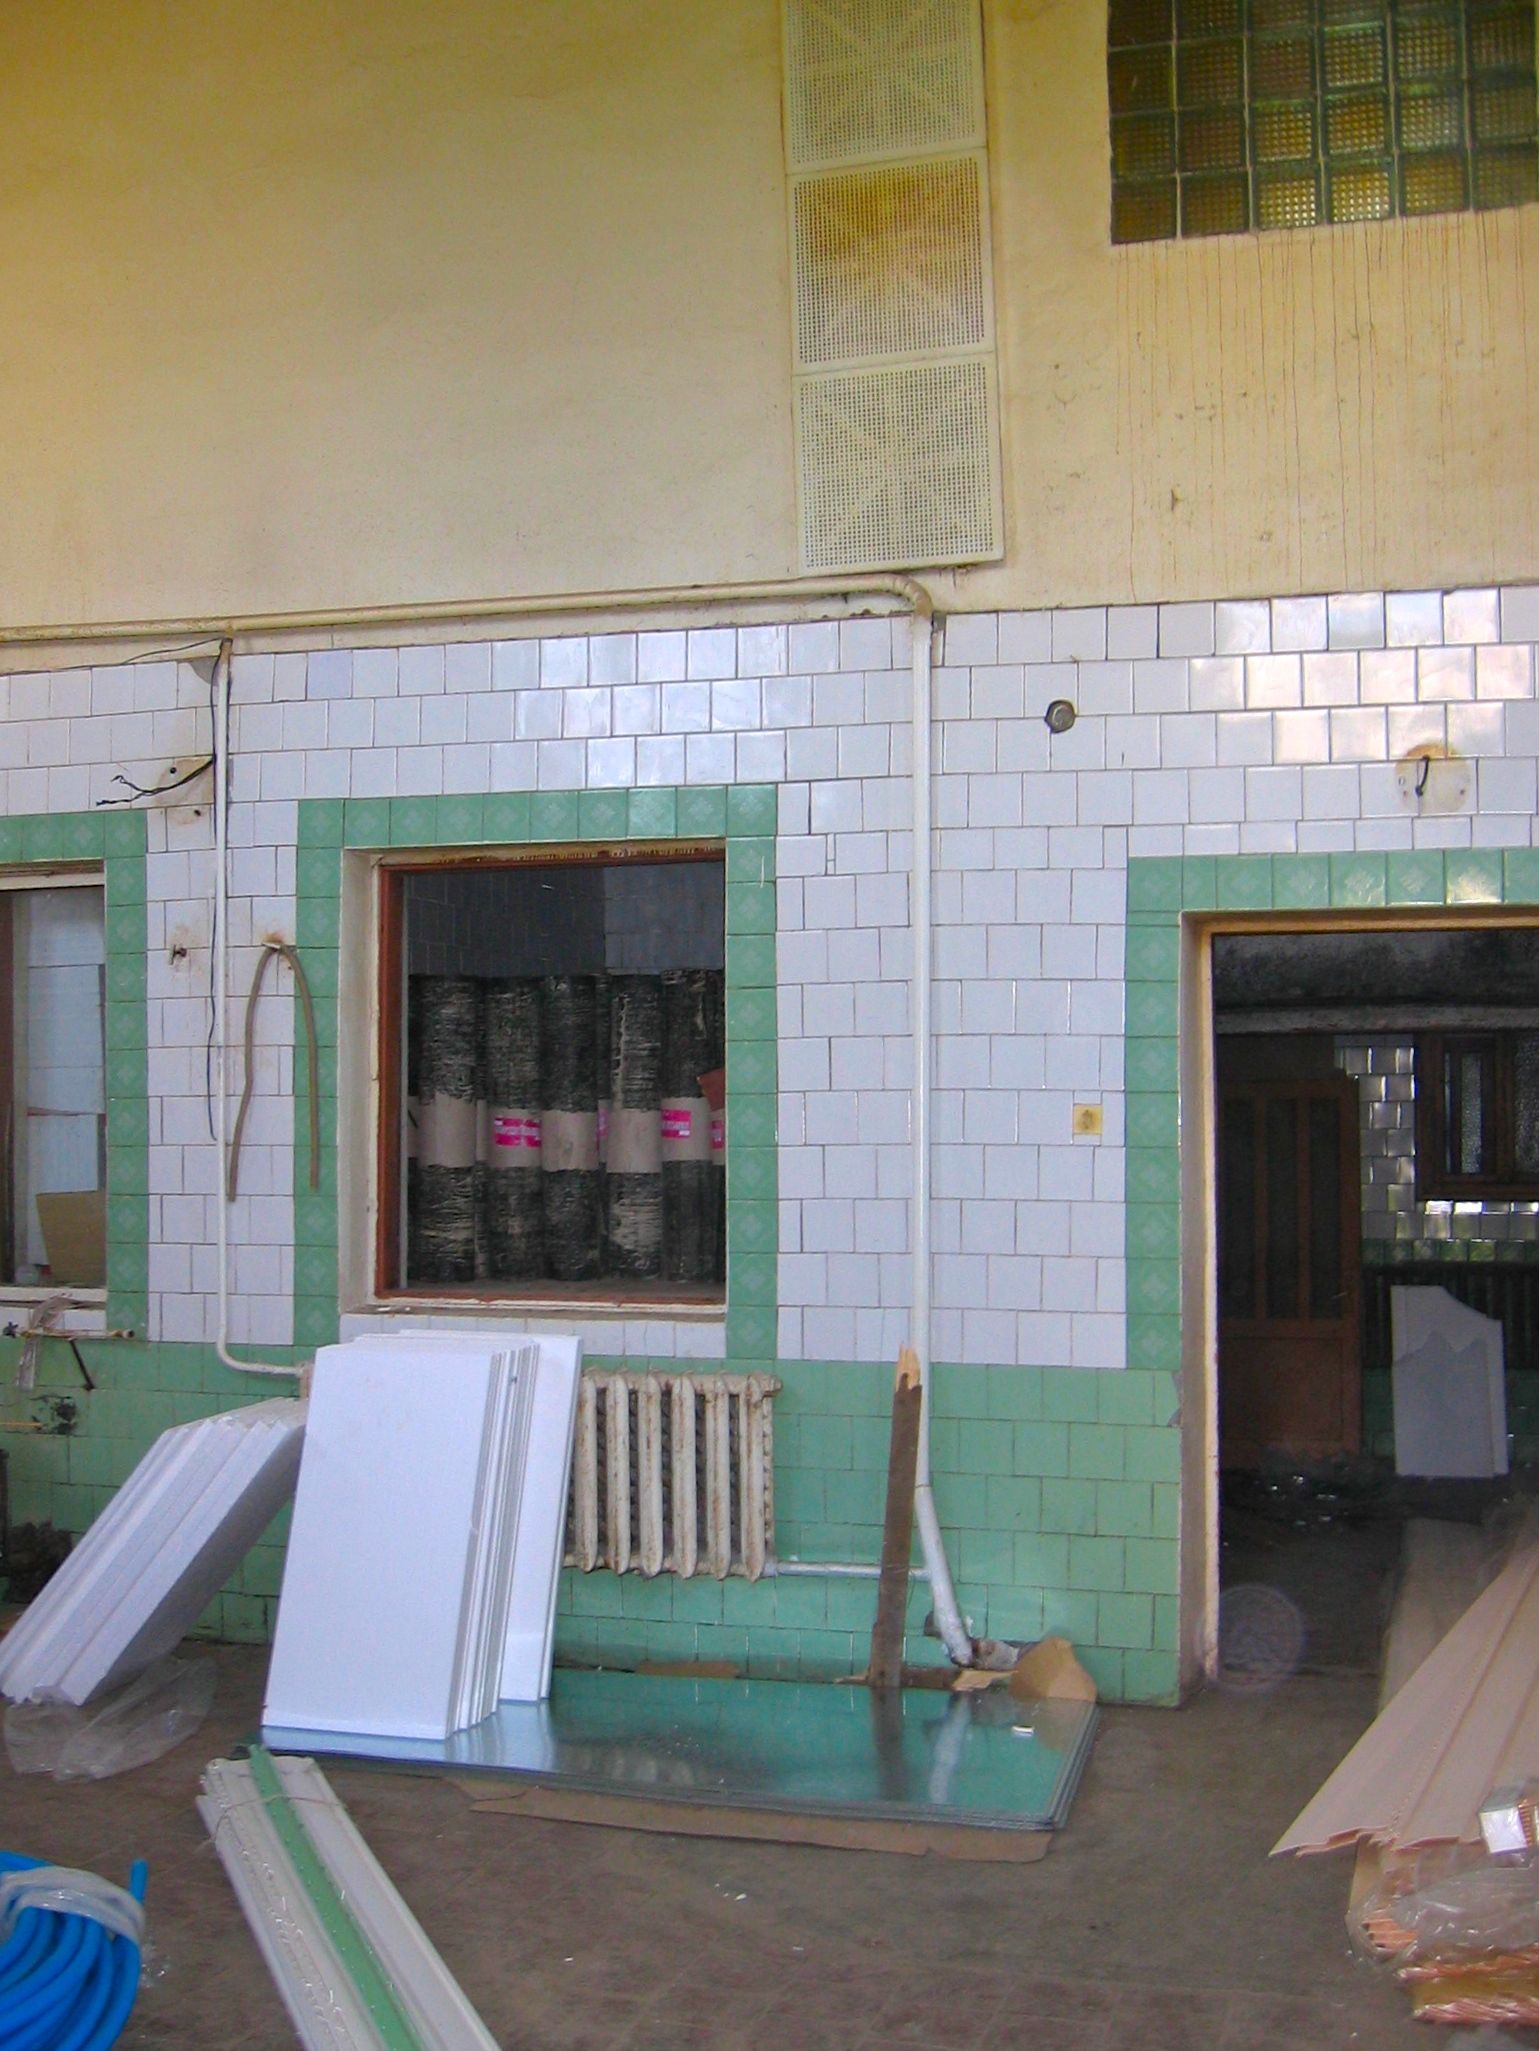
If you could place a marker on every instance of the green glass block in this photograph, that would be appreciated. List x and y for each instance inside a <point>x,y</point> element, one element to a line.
<point>1281,68</point>
<point>1503,113</point>
<point>1139,81</point>
<point>1215,206</point>
<point>1143,145</point>
<point>1359,192</point>
<point>1287,200</point>
<point>1431,120</point>
<point>1211,74</point>
<point>1271,15</point>
<point>1357,126</point>
<point>1284,133</point>
<point>1354,58</point>
<point>1426,48</point>
<point>1432,185</point>
<point>1144,213</point>
<point>1209,17</point>
<point>1213,139</point>
<point>1502,38</point>
<point>1507,178</point>
<point>1137,21</point>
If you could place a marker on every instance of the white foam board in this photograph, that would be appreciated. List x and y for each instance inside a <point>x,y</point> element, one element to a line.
<point>1449,1389</point>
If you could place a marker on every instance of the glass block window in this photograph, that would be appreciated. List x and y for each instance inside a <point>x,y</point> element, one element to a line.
<point>1228,115</point>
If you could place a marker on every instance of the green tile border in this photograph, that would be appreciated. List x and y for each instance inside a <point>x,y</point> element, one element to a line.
<point>742,817</point>
<point>117,840</point>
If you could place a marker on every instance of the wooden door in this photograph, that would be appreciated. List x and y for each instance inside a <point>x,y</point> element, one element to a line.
<point>1288,1260</point>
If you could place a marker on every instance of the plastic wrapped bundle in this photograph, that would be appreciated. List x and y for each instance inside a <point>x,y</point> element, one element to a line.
<point>569,1130</point>
<point>714,1083</point>
<point>409,1132</point>
<point>603,1099</point>
<point>513,1201</point>
<point>689,1178</point>
<point>447,1173</point>
<point>635,1241</point>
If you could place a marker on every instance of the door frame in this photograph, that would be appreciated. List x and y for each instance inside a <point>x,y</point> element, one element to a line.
<point>1197,1079</point>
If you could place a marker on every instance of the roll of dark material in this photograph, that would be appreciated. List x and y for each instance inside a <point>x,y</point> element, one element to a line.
<point>569,1130</point>
<point>413,1231</point>
<point>447,1175</point>
<point>716,1097</point>
<point>603,1101</point>
<point>689,1179</point>
<point>635,1241</point>
<point>513,1199</point>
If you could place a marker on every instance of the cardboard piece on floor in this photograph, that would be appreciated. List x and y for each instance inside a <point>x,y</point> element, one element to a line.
<point>1448,1385</point>
<point>1467,1720</point>
<point>1049,1672</point>
<point>763,1826</point>
<point>74,1223</point>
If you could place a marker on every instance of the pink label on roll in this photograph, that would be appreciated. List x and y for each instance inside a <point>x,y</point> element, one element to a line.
<point>676,1124</point>
<point>603,1123</point>
<point>516,1132</point>
<point>718,1133</point>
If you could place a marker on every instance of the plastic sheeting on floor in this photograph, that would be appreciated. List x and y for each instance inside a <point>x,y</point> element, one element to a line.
<point>421,1572</point>
<point>920,1755</point>
<point>157,1555</point>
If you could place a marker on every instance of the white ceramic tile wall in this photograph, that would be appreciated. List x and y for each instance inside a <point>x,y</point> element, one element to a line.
<point>1228,728</point>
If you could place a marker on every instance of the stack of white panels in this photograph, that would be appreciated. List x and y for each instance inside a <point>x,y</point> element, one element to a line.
<point>411,1525</point>
<point>157,1555</point>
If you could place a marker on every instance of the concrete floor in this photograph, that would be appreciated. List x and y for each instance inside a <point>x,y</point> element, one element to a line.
<point>1156,1922</point>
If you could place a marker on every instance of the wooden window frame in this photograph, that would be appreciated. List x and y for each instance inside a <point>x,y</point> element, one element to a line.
<point>1501,1182</point>
<point>390,992</point>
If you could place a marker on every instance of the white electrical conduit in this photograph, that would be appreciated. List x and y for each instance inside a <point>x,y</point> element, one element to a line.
<point>912,593</point>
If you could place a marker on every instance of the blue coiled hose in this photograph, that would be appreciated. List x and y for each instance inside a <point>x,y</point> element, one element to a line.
<point>67,1983</point>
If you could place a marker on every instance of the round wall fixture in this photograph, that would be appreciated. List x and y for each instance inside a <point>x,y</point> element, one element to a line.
<point>1060,716</point>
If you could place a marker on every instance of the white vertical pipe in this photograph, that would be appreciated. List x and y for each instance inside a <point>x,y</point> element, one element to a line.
<point>953,1629</point>
<point>222,1199</point>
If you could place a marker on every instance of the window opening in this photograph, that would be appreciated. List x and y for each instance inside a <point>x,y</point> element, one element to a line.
<point>559,1123</point>
<point>1477,1096</point>
<point>53,1058</point>
<point>1228,115</point>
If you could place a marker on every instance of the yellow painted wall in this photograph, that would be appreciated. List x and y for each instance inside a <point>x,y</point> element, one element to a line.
<point>328,303</point>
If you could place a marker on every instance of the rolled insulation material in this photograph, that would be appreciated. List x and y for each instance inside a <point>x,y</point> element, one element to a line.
<point>689,1180</point>
<point>446,1129</point>
<point>569,1130</point>
<point>635,1243</point>
<point>409,1123</point>
<point>714,1084</point>
<point>603,1102</point>
<point>513,1199</point>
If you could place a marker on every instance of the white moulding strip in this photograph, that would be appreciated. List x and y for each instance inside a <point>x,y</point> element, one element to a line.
<point>330,2009</point>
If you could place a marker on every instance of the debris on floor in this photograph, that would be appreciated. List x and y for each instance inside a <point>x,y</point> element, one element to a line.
<point>1438,1793</point>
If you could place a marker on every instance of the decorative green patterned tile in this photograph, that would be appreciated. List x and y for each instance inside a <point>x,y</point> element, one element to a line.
<point>1153,1175</point>
<point>85,835</point>
<point>751,1121</point>
<point>315,1210</point>
<point>1243,882</point>
<point>506,817</point>
<point>1153,953</point>
<point>127,929</point>
<point>753,1225</point>
<point>751,1283</point>
<point>1414,876</point>
<point>1150,1064</point>
<point>46,837</point>
<point>413,822</point>
<point>127,1171</point>
<point>1199,883</point>
<point>751,961</point>
<point>125,978</point>
<point>1358,881</point>
<point>1154,1285</point>
<point>753,1172</point>
<point>10,840</point>
<point>1520,875</point>
<point>1151,1010</point>
<point>315,1321</point>
<point>751,860</point>
<point>1153,1119</point>
<point>553,815</point>
<point>702,812</point>
<point>460,819</point>
<point>751,1332</point>
<point>318,872</point>
<point>128,1219</point>
<point>315,1271</point>
<point>1301,882</point>
<point>1154,884</point>
<point>123,833</point>
<point>651,814</point>
<point>752,808</point>
<point>127,1026</point>
<point>750,1068</point>
<point>366,822</point>
<point>1152,1230</point>
<point>1474,875</point>
<point>320,921</point>
<point>752,1016</point>
<point>128,1121</point>
<point>321,822</point>
<point>750,908</point>
<point>602,814</point>
<point>1154,1342</point>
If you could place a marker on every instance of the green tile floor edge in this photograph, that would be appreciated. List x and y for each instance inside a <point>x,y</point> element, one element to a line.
<point>117,840</point>
<point>1161,892</point>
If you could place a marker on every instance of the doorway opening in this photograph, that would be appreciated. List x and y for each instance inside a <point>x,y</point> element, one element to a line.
<point>1374,1199</point>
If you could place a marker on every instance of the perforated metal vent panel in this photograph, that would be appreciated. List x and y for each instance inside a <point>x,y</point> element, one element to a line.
<point>890,261</point>
<point>899,467</point>
<point>881,78</point>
